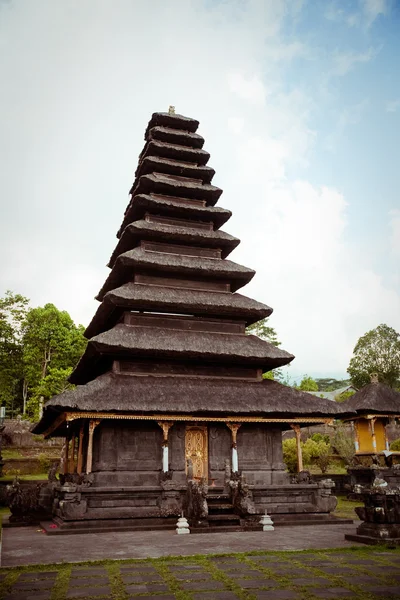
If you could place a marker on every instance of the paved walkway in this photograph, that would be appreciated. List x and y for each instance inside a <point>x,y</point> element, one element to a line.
<point>29,545</point>
<point>353,575</point>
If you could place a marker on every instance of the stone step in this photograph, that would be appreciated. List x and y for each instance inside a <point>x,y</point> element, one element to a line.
<point>225,529</point>
<point>224,517</point>
<point>222,507</point>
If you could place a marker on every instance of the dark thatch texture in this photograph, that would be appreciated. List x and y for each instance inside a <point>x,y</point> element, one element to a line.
<point>184,395</point>
<point>374,398</point>
<point>149,164</point>
<point>164,343</point>
<point>174,121</point>
<point>143,297</point>
<point>175,136</point>
<point>139,260</point>
<point>172,207</point>
<point>175,151</point>
<point>157,232</point>
<point>165,184</point>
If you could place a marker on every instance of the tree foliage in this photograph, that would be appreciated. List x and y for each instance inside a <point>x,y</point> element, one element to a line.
<point>313,452</point>
<point>307,384</point>
<point>38,349</point>
<point>13,309</point>
<point>378,351</point>
<point>344,395</point>
<point>267,333</point>
<point>329,384</point>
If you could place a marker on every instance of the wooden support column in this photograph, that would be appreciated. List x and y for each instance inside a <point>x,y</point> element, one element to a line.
<point>296,429</point>
<point>387,445</point>
<point>71,467</point>
<point>373,436</point>
<point>165,426</point>
<point>234,427</point>
<point>65,457</point>
<point>80,449</point>
<point>354,429</point>
<point>92,426</point>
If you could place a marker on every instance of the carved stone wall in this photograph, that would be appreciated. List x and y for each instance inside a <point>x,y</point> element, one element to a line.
<point>260,454</point>
<point>127,452</point>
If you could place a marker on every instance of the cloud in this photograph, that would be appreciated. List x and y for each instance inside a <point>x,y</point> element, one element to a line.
<point>372,9</point>
<point>367,13</point>
<point>393,105</point>
<point>344,62</point>
<point>247,88</point>
<point>79,88</point>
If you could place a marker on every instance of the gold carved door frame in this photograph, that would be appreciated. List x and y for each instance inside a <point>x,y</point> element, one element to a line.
<point>196,448</point>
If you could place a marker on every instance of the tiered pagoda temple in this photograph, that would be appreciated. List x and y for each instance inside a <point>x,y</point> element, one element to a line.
<point>170,389</point>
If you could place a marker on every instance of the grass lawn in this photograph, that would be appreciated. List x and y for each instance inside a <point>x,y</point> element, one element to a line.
<point>345,508</point>
<point>246,576</point>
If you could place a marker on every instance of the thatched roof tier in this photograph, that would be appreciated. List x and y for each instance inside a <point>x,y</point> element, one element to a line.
<point>374,398</point>
<point>124,341</point>
<point>197,156</point>
<point>143,230</point>
<point>142,204</point>
<point>116,393</point>
<point>159,183</point>
<point>141,297</point>
<point>142,261</point>
<point>175,136</point>
<point>149,164</point>
<point>172,120</point>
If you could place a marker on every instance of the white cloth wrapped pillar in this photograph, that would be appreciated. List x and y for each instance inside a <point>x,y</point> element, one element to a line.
<point>165,426</point>
<point>235,459</point>
<point>296,429</point>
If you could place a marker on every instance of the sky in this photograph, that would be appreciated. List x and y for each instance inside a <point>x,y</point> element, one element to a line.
<point>299,104</point>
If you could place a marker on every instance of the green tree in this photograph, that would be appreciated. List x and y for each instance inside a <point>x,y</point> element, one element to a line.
<point>307,384</point>
<point>13,308</point>
<point>344,395</point>
<point>267,333</point>
<point>378,351</point>
<point>328,384</point>
<point>52,345</point>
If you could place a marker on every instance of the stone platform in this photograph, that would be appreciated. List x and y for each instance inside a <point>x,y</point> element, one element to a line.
<point>29,545</point>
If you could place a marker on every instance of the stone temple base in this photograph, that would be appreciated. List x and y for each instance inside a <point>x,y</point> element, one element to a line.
<point>376,533</point>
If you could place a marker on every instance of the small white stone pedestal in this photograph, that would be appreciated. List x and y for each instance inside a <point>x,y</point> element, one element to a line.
<point>266,523</point>
<point>182,526</point>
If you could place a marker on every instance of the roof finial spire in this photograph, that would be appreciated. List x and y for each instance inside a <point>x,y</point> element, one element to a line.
<point>374,377</point>
<point>171,110</point>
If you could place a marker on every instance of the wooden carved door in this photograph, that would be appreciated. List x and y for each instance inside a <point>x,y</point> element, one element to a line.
<point>196,448</point>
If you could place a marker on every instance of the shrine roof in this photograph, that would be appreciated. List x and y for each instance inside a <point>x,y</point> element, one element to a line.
<point>149,164</point>
<point>175,136</point>
<point>161,183</point>
<point>174,151</point>
<point>159,232</point>
<point>115,393</point>
<point>374,398</point>
<point>139,260</point>
<point>173,207</point>
<point>136,296</point>
<point>165,343</point>
<point>173,120</point>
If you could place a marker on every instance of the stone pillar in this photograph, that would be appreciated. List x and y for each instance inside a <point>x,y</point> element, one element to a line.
<point>235,461</point>
<point>165,426</point>
<point>80,449</point>
<point>92,426</point>
<point>296,429</point>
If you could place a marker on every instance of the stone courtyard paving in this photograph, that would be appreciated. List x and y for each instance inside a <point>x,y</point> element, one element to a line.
<point>351,574</point>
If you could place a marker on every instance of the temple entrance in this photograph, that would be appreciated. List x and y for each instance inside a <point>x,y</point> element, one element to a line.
<point>196,448</point>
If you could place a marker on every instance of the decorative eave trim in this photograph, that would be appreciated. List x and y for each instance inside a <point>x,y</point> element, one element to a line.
<point>73,416</point>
